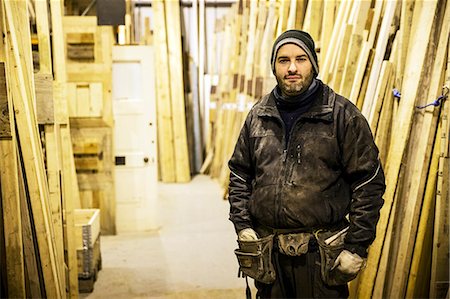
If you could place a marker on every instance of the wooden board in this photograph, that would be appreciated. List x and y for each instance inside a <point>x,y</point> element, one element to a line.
<point>182,168</point>
<point>420,273</point>
<point>44,94</point>
<point>10,198</point>
<point>166,150</point>
<point>380,50</point>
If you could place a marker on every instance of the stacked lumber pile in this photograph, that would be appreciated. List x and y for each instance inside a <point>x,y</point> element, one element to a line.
<point>88,90</point>
<point>38,183</point>
<point>174,164</point>
<point>366,50</point>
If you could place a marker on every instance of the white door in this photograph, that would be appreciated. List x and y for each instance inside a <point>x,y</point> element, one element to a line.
<point>134,105</point>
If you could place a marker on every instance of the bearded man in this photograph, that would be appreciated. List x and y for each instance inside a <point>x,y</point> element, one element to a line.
<point>306,182</point>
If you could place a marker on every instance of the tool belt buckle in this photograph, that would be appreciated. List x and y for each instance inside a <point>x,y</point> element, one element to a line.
<point>294,244</point>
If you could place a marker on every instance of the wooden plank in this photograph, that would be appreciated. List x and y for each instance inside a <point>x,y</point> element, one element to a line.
<point>354,50</point>
<point>292,15</point>
<point>363,63</point>
<point>267,41</point>
<point>44,98</point>
<point>283,13</point>
<point>22,90</point>
<point>316,19</point>
<point>182,168</point>
<point>58,44</point>
<point>10,199</point>
<point>71,201</point>
<point>42,27</point>
<point>420,167</point>
<point>439,283</point>
<point>107,41</point>
<point>300,13</point>
<point>415,63</point>
<point>341,58</point>
<point>380,51</point>
<point>165,131</point>
<point>385,74</point>
<point>383,132</point>
<point>328,21</point>
<point>344,9</point>
<point>53,159</point>
<point>33,276</point>
<point>366,59</point>
<point>405,29</point>
<point>232,23</point>
<point>420,272</point>
<point>70,196</point>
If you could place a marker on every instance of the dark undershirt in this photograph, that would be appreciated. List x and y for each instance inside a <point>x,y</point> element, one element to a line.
<point>291,108</point>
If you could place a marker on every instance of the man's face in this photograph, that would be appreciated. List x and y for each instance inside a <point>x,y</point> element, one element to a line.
<point>293,70</point>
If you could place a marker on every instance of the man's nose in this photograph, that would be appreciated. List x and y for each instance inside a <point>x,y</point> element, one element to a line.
<point>292,67</point>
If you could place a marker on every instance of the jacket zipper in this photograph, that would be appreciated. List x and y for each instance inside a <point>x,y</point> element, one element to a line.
<point>285,168</point>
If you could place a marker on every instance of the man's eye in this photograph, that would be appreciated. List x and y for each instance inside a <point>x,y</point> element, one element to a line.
<point>284,61</point>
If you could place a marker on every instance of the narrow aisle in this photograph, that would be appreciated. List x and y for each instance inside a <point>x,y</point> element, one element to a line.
<point>189,256</point>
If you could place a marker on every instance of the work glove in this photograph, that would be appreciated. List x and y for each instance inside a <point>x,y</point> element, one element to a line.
<point>348,262</point>
<point>247,234</point>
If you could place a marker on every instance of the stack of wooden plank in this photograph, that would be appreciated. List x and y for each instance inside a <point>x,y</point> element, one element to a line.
<point>89,85</point>
<point>173,153</point>
<point>38,190</point>
<point>366,50</point>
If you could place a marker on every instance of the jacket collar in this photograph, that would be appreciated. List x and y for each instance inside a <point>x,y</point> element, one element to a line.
<point>321,109</point>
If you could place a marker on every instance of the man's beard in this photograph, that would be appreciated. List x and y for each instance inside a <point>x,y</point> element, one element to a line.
<point>296,88</point>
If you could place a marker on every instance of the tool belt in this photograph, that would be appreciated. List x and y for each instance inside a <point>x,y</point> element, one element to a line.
<point>294,244</point>
<point>255,259</point>
<point>331,244</point>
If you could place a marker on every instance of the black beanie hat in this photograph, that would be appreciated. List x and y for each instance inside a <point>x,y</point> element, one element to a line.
<point>299,38</point>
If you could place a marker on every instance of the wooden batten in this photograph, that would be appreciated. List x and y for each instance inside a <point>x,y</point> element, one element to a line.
<point>10,198</point>
<point>182,168</point>
<point>166,150</point>
<point>44,98</point>
<point>418,279</point>
<point>380,51</point>
<point>33,274</point>
<point>328,20</point>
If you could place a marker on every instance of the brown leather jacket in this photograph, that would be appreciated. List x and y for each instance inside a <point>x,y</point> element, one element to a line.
<point>328,169</point>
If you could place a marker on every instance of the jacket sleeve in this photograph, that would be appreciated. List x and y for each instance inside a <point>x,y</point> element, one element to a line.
<point>241,177</point>
<point>365,175</point>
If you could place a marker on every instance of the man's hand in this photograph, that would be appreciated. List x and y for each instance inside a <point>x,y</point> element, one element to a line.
<point>348,262</point>
<point>247,234</point>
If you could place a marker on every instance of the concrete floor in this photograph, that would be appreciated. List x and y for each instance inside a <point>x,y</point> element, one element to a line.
<point>190,256</point>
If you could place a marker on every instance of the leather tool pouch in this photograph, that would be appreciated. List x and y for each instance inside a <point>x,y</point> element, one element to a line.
<point>328,254</point>
<point>255,259</point>
<point>294,244</point>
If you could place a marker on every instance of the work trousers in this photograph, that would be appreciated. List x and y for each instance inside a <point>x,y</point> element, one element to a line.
<point>299,277</point>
